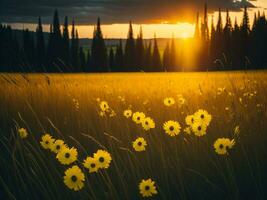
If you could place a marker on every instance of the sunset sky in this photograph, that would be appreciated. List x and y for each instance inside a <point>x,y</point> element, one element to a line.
<point>163,17</point>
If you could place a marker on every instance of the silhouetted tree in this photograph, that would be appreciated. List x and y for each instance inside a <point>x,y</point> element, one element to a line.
<point>173,57</point>
<point>236,40</point>
<point>49,51</point>
<point>119,60</point>
<point>156,61</point>
<point>140,51</point>
<point>88,62</point>
<point>74,48</point>
<point>204,61</point>
<point>40,47</point>
<point>98,50</point>
<point>56,43</point>
<point>226,42</point>
<point>82,61</point>
<point>148,58</point>
<point>29,51</point>
<point>166,58</point>
<point>129,57</point>
<point>66,45</point>
<point>111,60</point>
<point>244,37</point>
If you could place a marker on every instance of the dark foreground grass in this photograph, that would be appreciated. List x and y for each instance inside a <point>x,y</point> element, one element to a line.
<point>183,167</point>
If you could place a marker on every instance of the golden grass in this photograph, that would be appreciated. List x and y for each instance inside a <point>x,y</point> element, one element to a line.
<point>183,167</point>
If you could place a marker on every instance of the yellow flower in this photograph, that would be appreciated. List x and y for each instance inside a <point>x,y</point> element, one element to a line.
<point>181,101</point>
<point>172,128</point>
<point>202,116</point>
<point>189,120</point>
<point>22,132</point>
<point>47,141</point>
<point>147,188</point>
<point>67,155</point>
<point>74,178</point>
<point>187,130</point>
<point>102,114</point>
<point>220,91</point>
<point>104,106</point>
<point>139,144</point>
<point>103,159</point>
<point>222,145</point>
<point>148,123</point>
<point>138,117</point>
<point>199,128</point>
<point>57,146</point>
<point>127,113</point>
<point>169,101</point>
<point>91,164</point>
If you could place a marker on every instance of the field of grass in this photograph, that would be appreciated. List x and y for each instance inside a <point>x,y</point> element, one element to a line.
<point>186,166</point>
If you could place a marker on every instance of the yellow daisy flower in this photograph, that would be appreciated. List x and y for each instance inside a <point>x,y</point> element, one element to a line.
<point>22,133</point>
<point>74,178</point>
<point>91,164</point>
<point>104,106</point>
<point>57,146</point>
<point>67,155</point>
<point>181,101</point>
<point>103,159</point>
<point>102,114</point>
<point>199,128</point>
<point>222,145</point>
<point>172,128</point>
<point>169,101</point>
<point>148,123</point>
<point>138,117</point>
<point>127,113</point>
<point>139,144</point>
<point>47,141</point>
<point>189,120</point>
<point>187,130</point>
<point>147,188</point>
<point>203,116</point>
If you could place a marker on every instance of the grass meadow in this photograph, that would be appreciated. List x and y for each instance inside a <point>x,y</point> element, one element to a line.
<point>185,166</point>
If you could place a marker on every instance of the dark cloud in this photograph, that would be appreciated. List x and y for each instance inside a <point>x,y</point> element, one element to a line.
<point>111,11</point>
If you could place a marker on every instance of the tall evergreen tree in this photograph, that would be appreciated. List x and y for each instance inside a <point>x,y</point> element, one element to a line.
<point>173,58</point>
<point>119,61</point>
<point>82,60</point>
<point>236,47</point>
<point>111,60</point>
<point>66,45</point>
<point>218,54</point>
<point>166,58</point>
<point>244,36</point>
<point>74,48</point>
<point>40,47</point>
<point>88,62</point>
<point>29,51</point>
<point>148,58</point>
<point>98,50</point>
<point>129,57</point>
<point>140,51</point>
<point>49,51</point>
<point>204,40</point>
<point>226,45</point>
<point>56,46</point>
<point>213,44</point>
<point>156,61</point>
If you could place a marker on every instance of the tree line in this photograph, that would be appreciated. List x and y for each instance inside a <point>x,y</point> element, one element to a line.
<point>226,46</point>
